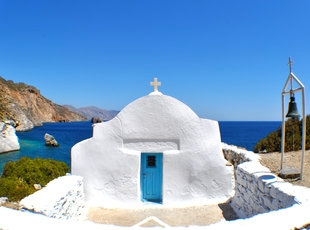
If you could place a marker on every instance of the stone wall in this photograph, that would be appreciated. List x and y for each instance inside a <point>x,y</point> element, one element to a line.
<point>62,198</point>
<point>257,190</point>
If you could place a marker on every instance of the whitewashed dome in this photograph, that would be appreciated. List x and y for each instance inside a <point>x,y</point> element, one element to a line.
<point>156,115</point>
<point>190,164</point>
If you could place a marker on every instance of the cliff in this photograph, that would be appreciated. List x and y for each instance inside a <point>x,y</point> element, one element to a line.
<point>24,107</point>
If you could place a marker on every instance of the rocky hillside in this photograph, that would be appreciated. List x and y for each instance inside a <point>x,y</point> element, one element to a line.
<point>24,107</point>
<point>94,112</point>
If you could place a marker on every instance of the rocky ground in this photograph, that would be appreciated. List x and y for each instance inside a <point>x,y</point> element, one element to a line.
<point>291,160</point>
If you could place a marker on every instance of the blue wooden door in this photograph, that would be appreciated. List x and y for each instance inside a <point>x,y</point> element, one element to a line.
<point>151,177</point>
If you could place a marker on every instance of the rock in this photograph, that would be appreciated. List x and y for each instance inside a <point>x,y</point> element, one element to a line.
<point>96,120</point>
<point>3,200</point>
<point>8,139</point>
<point>10,122</point>
<point>22,122</point>
<point>37,186</point>
<point>50,140</point>
<point>289,173</point>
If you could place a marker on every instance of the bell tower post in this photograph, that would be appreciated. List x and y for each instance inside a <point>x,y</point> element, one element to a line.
<point>293,114</point>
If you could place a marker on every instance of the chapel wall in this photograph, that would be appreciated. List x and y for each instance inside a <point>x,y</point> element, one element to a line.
<point>257,190</point>
<point>193,168</point>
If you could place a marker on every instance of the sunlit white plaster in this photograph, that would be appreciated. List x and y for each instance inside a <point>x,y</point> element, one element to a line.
<point>194,169</point>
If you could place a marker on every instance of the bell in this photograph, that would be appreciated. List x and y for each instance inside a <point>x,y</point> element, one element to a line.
<point>292,109</point>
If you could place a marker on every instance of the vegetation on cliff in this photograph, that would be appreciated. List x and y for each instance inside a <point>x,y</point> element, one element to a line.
<point>18,178</point>
<point>293,136</point>
<point>24,107</point>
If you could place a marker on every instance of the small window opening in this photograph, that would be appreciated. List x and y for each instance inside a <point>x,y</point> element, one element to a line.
<point>151,161</point>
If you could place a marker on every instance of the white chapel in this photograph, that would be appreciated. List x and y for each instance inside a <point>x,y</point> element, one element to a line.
<point>155,151</point>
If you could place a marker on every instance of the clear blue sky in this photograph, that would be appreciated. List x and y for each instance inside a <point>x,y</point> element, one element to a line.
<point>225,59</point>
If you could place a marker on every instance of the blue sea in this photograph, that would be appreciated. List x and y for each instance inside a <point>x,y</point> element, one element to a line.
<point>244,134</point>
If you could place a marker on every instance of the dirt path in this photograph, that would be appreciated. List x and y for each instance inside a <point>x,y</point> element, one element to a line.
<point>198,215</point>
<point>292,160</point>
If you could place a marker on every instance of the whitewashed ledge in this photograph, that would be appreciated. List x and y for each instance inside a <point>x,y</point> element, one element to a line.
<point>293,216</point>
<point>237,155</point>
<point>62,198</point>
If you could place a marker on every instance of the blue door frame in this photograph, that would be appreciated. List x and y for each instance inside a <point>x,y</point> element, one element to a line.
<point>151,177</point>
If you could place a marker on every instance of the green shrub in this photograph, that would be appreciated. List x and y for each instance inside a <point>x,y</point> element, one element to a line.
<point>18,177</point>
<point>293,137</point>
<point>14,188</point>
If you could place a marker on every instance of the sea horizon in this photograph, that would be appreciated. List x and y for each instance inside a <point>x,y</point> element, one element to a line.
<point>243,134</point>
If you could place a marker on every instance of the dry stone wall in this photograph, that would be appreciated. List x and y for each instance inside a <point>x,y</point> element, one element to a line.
<point>257,190</point>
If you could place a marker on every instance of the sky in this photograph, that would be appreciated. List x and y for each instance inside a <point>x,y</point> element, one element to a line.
<point>227,60</point>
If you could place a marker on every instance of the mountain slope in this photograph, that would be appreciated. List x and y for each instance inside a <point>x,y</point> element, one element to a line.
<point>24,107</point>
<point>94,112</point>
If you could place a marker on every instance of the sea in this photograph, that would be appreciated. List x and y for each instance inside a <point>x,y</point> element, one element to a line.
<point>240,133</point>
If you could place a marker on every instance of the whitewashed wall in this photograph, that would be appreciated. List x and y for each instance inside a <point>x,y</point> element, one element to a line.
<point>194,169</point>
<point>257,190</point>
<point>62,198</point>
